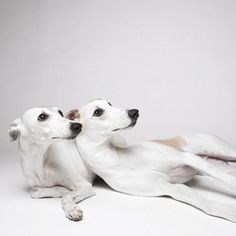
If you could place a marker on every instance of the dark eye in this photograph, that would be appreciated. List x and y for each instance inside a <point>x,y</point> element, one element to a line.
<point>43,117</point>
<point>109,103</point>
<point>98,112</point>
<point>61,113</point>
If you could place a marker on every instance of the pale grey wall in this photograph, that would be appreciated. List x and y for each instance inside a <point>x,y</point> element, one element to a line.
<point>175,60</point>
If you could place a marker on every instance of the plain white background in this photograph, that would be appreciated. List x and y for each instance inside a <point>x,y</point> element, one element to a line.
<point>174,60</point>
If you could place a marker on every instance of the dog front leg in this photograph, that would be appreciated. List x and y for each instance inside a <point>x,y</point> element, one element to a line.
<point>55,192</point>
<point>185,194</point>
<point>70,200</point>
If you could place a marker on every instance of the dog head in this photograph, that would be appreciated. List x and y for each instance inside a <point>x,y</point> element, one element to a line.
<point>44,124</point>
<point>101,116</point>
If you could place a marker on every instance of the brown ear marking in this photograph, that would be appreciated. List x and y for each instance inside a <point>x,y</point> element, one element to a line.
<point>73,114</point>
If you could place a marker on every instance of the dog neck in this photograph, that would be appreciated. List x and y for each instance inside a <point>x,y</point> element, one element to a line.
<point>97,151</point>
<point>32,157</point>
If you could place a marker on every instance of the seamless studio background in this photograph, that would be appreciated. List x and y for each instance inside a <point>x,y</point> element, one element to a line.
<point>174,60</point>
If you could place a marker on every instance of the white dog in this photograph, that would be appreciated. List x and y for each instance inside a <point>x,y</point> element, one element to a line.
<point>51,167</point>
<point>154,168</point>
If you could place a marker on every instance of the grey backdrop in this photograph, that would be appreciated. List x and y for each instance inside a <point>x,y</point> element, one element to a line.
<point>175,60</point>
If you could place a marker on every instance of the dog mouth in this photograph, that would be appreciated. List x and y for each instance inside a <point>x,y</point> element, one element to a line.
<point>65,138</point>
<point>132,124</point>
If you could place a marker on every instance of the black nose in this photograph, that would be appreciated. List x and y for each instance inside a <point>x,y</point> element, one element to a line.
<point>75,127</point>
<point>133,113</point>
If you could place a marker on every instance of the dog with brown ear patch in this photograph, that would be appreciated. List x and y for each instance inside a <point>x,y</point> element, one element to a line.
<point>153,168</point>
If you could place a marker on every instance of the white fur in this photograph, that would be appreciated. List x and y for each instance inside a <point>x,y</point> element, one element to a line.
<point>52,166</point>
<point>152,169</point>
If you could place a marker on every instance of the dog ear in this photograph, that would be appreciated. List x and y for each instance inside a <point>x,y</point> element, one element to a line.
<point>14,131</point>
<point>73,114</point>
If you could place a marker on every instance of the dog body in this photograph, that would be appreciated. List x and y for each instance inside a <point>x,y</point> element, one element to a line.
<point>153,168</point>
<point>52,165</point>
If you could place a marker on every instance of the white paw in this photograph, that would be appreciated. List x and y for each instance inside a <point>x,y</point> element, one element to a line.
<point>75,214</point>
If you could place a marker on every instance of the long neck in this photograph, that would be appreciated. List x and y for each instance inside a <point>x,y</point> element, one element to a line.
<point>97,151</point>
<point>32,156</point>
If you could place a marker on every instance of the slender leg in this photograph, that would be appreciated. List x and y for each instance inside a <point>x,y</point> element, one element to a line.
<point>70,200</point>
<point>206,167</point>
<point>228,167</point>
<point>185,194</point>
<point>83,194</point>
<point>208,145</point>
<point>71,209</point>
<point>154,184</point>
<point>54,192</point>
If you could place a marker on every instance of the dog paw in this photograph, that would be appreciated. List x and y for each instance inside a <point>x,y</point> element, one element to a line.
<point>75,214</point>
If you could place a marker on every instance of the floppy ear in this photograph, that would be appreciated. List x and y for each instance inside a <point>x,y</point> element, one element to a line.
<point>73,114</point>
<point>14,131</point>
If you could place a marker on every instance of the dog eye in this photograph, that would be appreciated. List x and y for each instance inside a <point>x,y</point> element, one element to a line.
<point>109,104</point>
<point>61,113</point>
<point>43,117</point>
<point>98,112</point>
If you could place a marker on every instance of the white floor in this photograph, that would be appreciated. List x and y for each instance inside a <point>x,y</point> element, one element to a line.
<point>107,214</point>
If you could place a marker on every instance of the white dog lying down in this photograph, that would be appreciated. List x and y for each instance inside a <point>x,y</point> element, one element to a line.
<point>51,167</point>
<point>154,168</point>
